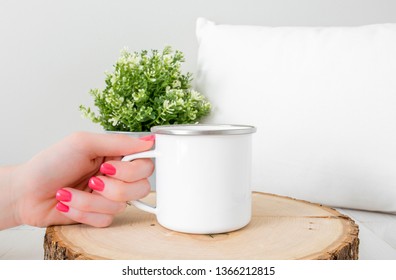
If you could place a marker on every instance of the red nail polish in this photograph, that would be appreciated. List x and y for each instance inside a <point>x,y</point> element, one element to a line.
<point>61,207</point>
<point>63,195</point>
<point>108,169</point>
<point>96,184</point>
<point>148,137</point>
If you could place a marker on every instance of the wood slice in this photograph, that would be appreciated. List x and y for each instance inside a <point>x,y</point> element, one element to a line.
<point>281,228</point>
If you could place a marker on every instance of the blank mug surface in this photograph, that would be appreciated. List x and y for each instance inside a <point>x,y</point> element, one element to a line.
<point>203,177</point>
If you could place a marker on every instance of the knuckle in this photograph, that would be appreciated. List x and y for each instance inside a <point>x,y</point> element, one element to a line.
<point>77,136</point>
<point>84,205</point>
<point>105,221</point>
<point>81,216</point>
<point>101,220</point>
<point>118,193</point>
<point>78,139</point>
<point>145,187</point>
<point>128,192</point>
<point>120,208</point>
<point>151,166</point>
<point>144,166</point>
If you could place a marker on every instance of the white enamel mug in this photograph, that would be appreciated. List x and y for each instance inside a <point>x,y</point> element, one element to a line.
<point>202,177</point>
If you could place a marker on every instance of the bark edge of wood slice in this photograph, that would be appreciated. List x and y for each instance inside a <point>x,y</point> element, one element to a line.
<point>281,228</point>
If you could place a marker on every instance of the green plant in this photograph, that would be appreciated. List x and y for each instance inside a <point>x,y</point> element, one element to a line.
<point>147,89</point>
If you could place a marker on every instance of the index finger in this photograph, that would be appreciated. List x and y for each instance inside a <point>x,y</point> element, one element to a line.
<point>102,144</point>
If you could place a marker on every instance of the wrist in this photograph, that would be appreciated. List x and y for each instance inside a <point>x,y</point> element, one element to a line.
<point>9,216</point>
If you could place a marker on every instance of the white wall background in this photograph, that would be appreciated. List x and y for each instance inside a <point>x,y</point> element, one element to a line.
<point>53,52</point>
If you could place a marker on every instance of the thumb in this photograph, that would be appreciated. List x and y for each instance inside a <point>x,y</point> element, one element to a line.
<point>103,144</point>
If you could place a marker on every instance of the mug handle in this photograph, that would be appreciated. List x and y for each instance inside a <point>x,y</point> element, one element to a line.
<point>137,203</point>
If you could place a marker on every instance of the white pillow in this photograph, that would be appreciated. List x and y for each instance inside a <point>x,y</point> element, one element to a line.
<point>324,103</point>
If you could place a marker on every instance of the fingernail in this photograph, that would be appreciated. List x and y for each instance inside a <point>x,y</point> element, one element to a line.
<point>108,169</point>
<point>96,184</point>
<point>150,137</point>
<point>61,207</point>
<point>63,195</point>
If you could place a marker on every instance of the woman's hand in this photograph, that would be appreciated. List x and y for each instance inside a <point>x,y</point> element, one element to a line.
<point>79,180</point>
